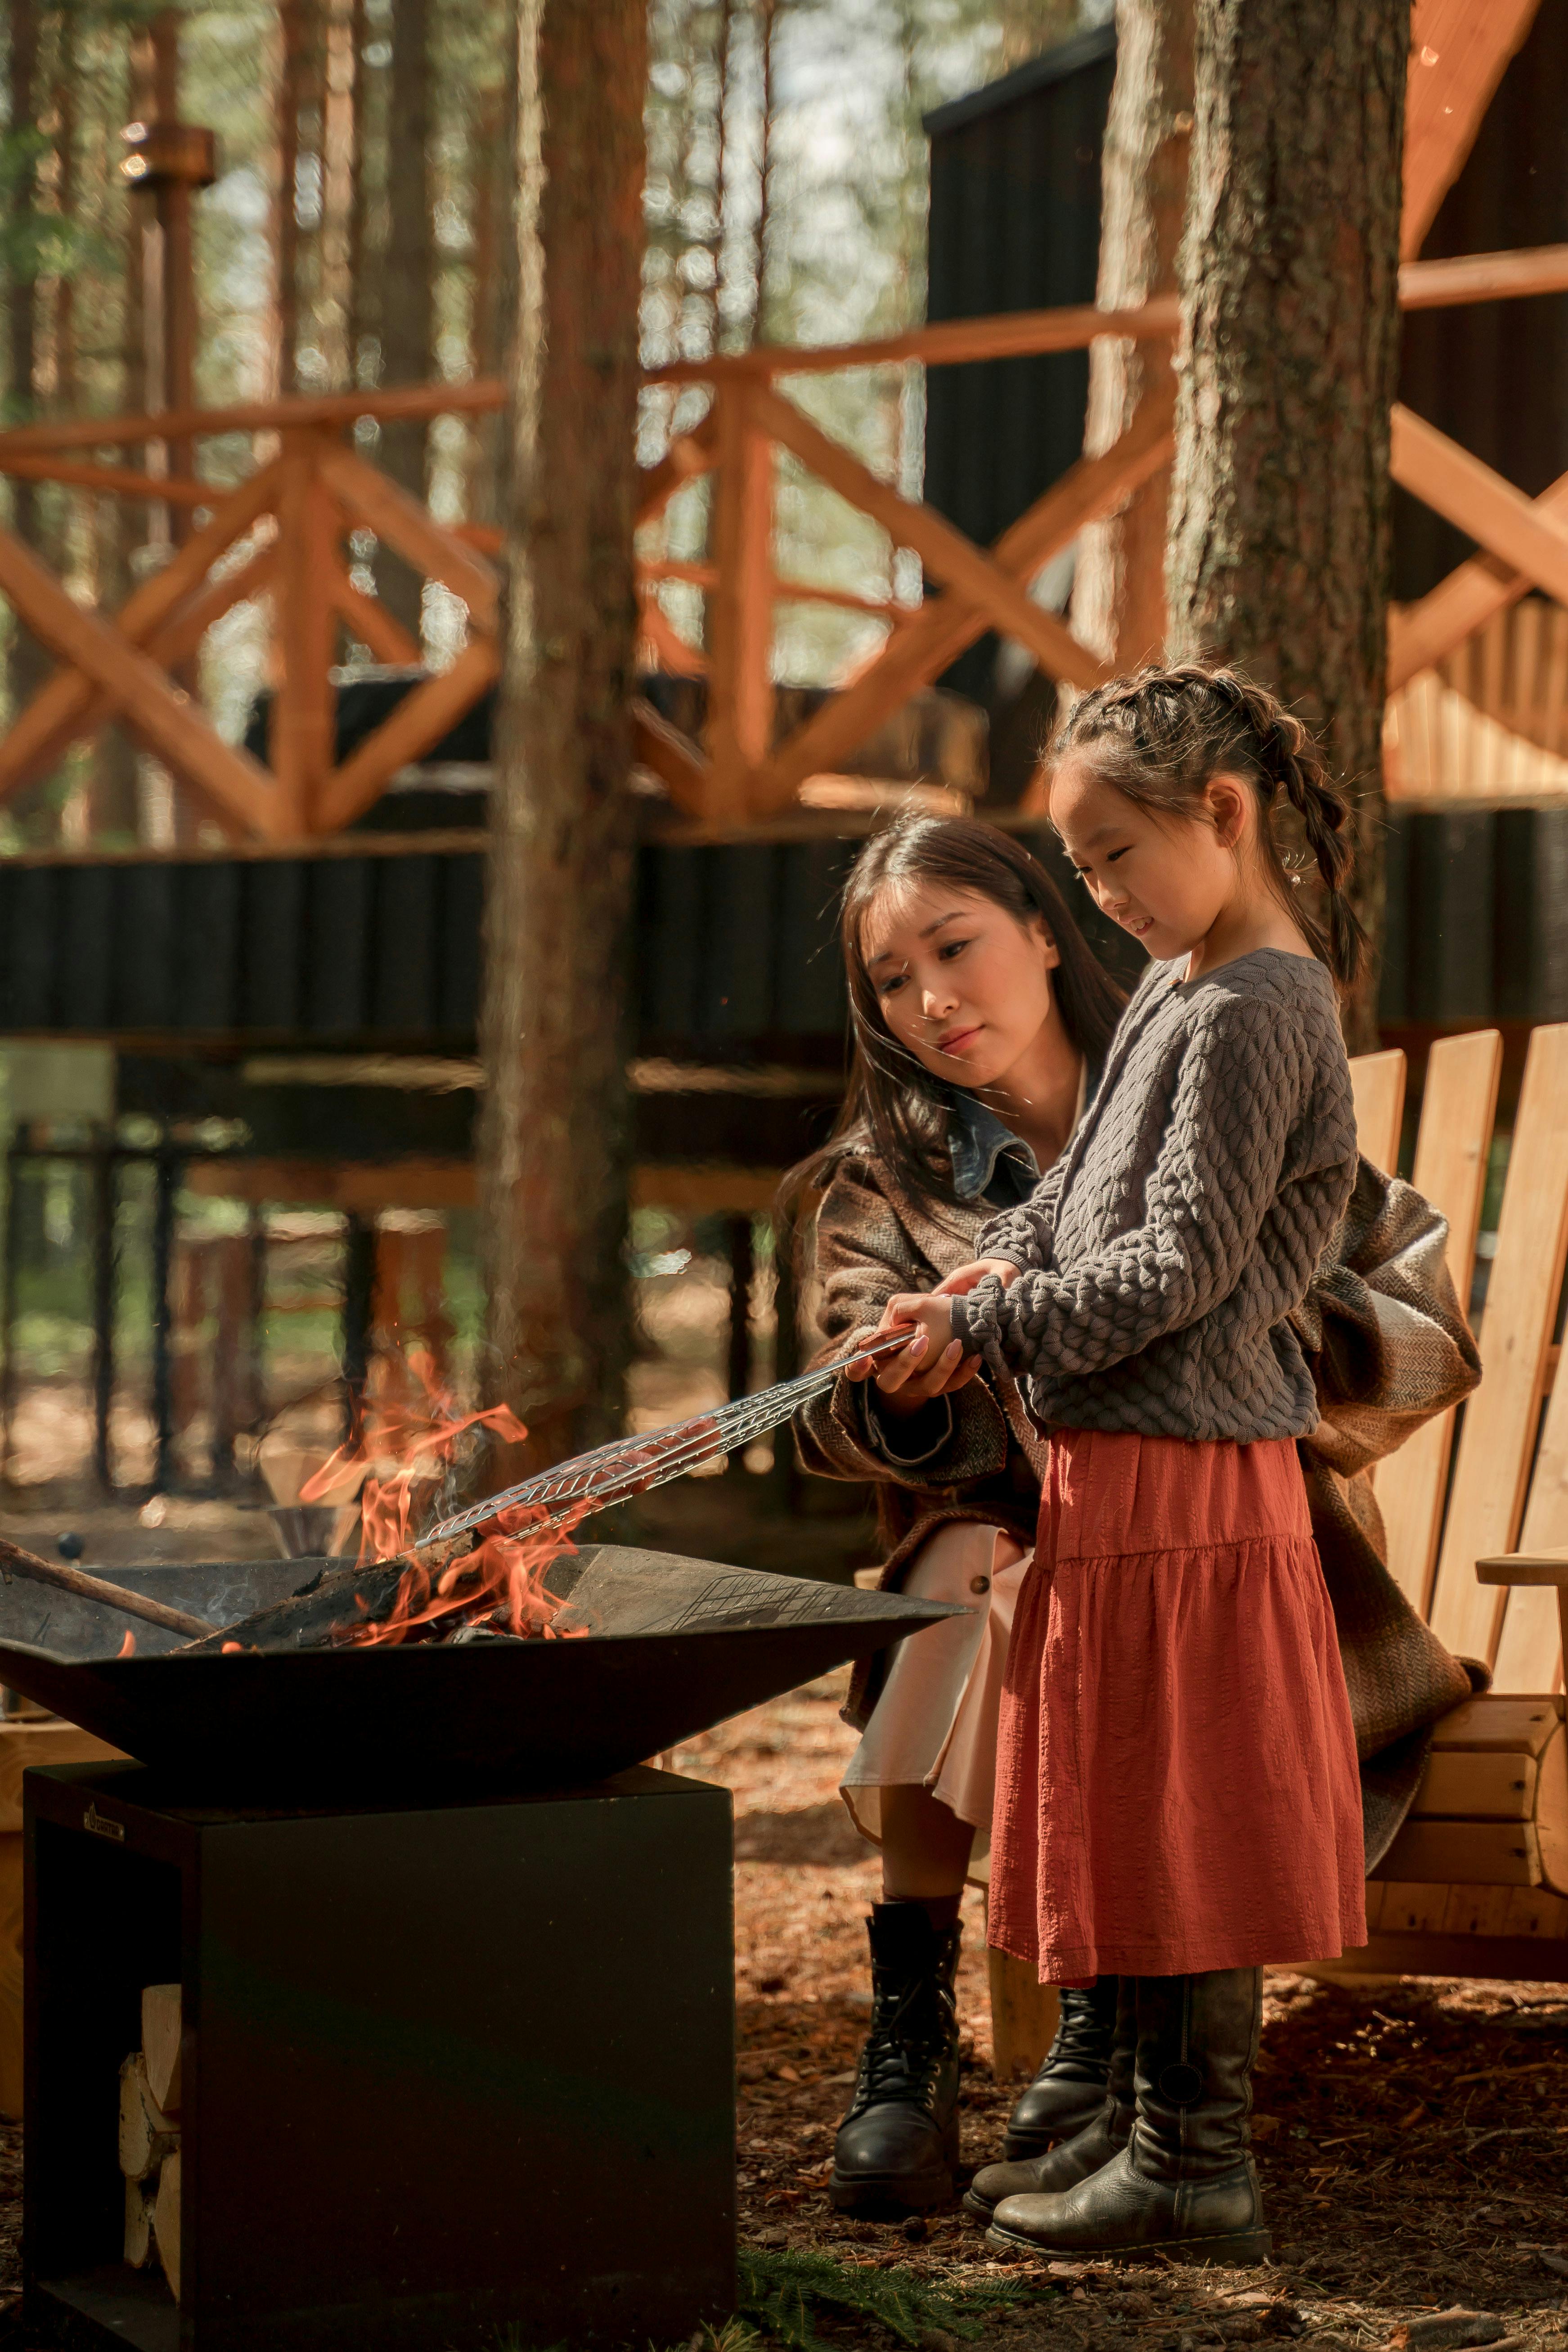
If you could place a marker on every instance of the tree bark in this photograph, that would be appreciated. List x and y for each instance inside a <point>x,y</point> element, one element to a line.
<point>294,37</point>
<point>408,305</point>
<point>554,1142</point>
<point>114,816</point>
<point>1119,589</point>
<point>27,664</point>
<point>1279,551</point>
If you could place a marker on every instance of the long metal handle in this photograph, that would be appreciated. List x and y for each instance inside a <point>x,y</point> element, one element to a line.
<point>630,1465</point>
<point>14,1562</point>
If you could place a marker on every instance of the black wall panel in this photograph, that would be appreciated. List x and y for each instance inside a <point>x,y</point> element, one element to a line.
<point>735,951</point>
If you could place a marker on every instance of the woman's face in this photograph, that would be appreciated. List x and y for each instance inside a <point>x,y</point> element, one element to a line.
<point>960,982</point>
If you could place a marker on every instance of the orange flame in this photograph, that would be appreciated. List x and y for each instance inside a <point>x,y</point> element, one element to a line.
<point>128,1647</point>
<point>409,1440</point>
<point>500,1582</point>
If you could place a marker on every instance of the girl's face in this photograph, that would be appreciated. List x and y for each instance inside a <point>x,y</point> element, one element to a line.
<point>1167,878</point>
<point>960,982</point>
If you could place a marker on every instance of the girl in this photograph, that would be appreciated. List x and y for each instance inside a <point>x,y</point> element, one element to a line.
<point>979,1017</point>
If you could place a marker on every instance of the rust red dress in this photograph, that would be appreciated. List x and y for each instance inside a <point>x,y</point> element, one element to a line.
<point>1176,1785</point>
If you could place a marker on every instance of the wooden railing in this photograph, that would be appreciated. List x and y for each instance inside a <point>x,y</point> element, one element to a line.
<point>281,534</point>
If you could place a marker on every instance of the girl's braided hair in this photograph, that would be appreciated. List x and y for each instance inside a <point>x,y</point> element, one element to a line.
<point>1161,734</point>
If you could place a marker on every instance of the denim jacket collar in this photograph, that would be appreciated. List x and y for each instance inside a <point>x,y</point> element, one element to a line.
<point>990,1163</point>
<point>977,1140</point>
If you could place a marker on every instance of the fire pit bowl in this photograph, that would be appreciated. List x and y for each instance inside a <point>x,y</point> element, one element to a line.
<point>667,1647</point>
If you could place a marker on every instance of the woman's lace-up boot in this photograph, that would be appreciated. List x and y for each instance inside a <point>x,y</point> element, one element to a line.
<point>1073,2160</point>
<point>897,2150</point>
<point>1184,2185</point>
<point>1068,2092</point>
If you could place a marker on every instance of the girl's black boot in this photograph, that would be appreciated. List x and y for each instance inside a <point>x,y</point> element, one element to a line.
<point>1068,2092</point>
<point>1073,2160</point>
<point>1184,2185</point>
<point>897,2150</point>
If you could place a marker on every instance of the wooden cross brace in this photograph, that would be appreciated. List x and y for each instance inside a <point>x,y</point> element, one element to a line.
<point>1525,544</point>
<point>122,667</point>
<point>984,589</point>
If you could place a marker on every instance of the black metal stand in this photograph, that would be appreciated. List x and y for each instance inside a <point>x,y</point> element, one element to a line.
<point>447,2070</point>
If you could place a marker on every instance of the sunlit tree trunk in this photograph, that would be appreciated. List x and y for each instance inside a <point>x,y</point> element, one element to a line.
<point>407,320</point>
<point>1279,556</point>
<point>555,1146</point>
<point>1119,592</point>
<point>26,663</point>
<point>115,815</point>
<point>294,35</point>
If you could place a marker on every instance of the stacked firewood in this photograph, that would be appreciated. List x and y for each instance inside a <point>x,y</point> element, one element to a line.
<point>150,2095</point>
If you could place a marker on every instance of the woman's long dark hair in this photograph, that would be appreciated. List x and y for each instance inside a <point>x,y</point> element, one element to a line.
<point>895,1109</point>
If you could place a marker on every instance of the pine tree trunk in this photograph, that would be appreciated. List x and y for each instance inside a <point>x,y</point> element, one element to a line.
<point>115,794</point>
<point>554,1143</point>
<point>27,664</point>
<point>363,312</point>
<point>407,311</point>
<point>340,157</point>
<point>492,186</point>
<point>1279,552</point>
<point>1119,591</point>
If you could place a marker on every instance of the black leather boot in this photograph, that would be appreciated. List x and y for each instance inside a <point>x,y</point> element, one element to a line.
<point>1068,2092</point>
<point>1072,2160</point>
<point>1185,2184</point>
<point>897,2149</point>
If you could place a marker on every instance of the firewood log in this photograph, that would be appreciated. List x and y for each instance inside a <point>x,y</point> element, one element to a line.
<point>139,2197</point>
<point>160,2022</point>
<point>146,2134</point>
<point>166,2221</point>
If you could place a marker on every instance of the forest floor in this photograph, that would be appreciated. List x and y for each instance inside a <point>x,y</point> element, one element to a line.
<point>1412,2134</point>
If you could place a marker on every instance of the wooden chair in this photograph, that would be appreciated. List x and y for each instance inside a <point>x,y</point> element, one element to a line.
<point>1476,1883</point>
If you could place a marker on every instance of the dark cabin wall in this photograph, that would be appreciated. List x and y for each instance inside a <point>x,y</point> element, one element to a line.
<point>1015,226</point>
<point>1495,375</point>
<point>737,959</point>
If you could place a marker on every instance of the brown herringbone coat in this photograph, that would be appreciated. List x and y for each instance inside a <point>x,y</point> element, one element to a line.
<point>1388,1347</point>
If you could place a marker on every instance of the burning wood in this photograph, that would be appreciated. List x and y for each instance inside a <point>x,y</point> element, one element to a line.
<point>443,1589</point>
<point>446,1584</point>
<point>395,1592</point>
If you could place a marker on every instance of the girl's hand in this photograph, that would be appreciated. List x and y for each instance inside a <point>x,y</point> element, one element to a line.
<point>975,1272</point>
<point>932,1365</point>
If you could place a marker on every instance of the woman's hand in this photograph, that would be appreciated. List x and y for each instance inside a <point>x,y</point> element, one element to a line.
<point>932,1365</point>
<point>965,1279</point>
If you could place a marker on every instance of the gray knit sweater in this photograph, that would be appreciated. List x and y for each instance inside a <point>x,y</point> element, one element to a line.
<point>1165,1248</point>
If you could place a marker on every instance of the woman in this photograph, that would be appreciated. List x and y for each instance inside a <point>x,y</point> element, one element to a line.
<point>980,1020</point>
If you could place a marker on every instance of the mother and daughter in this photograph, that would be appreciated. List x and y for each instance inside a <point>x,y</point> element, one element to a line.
<point>1161,1317</point>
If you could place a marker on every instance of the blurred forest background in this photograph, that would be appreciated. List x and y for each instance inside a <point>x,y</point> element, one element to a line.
<point>353,238</point>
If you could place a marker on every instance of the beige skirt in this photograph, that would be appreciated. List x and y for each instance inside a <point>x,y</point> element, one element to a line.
<point>934,1725</point>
